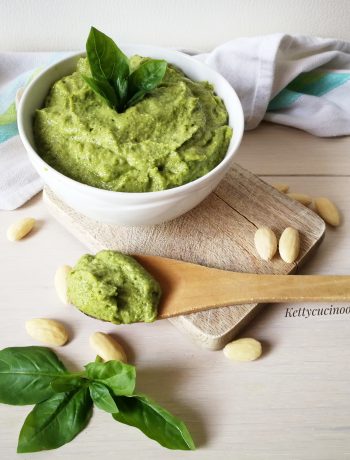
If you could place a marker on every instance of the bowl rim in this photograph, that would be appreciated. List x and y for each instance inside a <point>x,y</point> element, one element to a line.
<point>238,130</point>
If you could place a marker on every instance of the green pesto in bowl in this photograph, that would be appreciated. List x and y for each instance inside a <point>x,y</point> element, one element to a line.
<point>176,134</point>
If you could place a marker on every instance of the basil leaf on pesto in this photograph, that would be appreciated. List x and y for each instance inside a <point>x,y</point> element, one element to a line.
<point>106,60</point>
<point>146,77</point>
<point>26,373</point>
<point>110,65</point>
<point>103,89</point>
<point>137,97</point>
<point>56,421</point>
<point>154,421</point>
<point>110,72</point>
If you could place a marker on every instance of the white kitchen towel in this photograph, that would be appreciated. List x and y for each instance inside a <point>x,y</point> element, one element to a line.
<point>297,81</point>
<point>18,179</point>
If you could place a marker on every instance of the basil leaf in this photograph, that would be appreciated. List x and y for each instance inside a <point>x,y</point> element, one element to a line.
<point>102,398</point>
<point>103,89</point>
<point>56,421</point>
<point>137,97</point>
<point>147,76</point>
<point>154,421</point>
<point>108,62</point>
<point>110,72</point>
<point>121,86</point>
<point>26,373</point>
<point>64,384</point>
<point>117,376</point>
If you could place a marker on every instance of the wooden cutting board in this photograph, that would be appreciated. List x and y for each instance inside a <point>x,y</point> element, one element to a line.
<point>219,233</point>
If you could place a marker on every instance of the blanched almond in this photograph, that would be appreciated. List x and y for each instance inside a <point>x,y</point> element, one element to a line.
<point>289,245</point>
<point>107,347</point>
<point>20,229</point>
<point>61,282</point>
<point>326,209</point>
<point>281,187</point>
<point>47,331</point>
<point>301,197</point>
<point>265,243</point>
<point>243,350</point>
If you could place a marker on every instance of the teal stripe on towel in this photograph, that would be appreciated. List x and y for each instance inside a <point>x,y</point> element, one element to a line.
<point>8,131</point>
<point>284,98</point>
<point>314,83</point>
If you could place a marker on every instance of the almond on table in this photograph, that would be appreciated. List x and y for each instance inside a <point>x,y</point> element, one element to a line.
<point>304,199</point>
<point>246,349</point>
<point>48,331</point>
<point>107,347</point>
<point>20,229</point>
<point>326,209</point>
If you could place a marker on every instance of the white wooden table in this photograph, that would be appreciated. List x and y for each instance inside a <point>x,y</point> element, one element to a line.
<point>293,403</point>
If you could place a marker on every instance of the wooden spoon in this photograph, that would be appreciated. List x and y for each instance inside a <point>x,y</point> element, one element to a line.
<point>189,288</point>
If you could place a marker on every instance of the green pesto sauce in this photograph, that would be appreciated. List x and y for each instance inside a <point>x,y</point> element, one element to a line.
<point>113,287</point>
<point>175,135</point>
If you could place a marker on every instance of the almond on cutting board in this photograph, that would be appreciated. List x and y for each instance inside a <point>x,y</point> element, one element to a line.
<point>326,209</point>
<point>265,243</point>
<point>289,245</point>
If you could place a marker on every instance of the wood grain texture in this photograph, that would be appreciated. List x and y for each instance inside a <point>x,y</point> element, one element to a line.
<point>218,233</point>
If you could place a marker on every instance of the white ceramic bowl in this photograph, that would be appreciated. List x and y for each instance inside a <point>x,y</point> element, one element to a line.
<point>123,208</point>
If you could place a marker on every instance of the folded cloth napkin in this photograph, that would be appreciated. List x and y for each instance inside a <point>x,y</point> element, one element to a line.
<point>18,179</point>
<point>297,81</point>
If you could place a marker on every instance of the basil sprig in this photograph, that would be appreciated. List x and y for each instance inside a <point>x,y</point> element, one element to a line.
<point>111,75</point>
<point>64,400</point>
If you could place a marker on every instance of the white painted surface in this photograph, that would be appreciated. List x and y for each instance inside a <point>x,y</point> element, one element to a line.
<point>200,24</point>
<point>293,403</point>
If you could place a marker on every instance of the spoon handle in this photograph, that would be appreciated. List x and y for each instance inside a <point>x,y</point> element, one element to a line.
<point>252,288</point>
<point>243,288</point>
<point>189,288</point>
